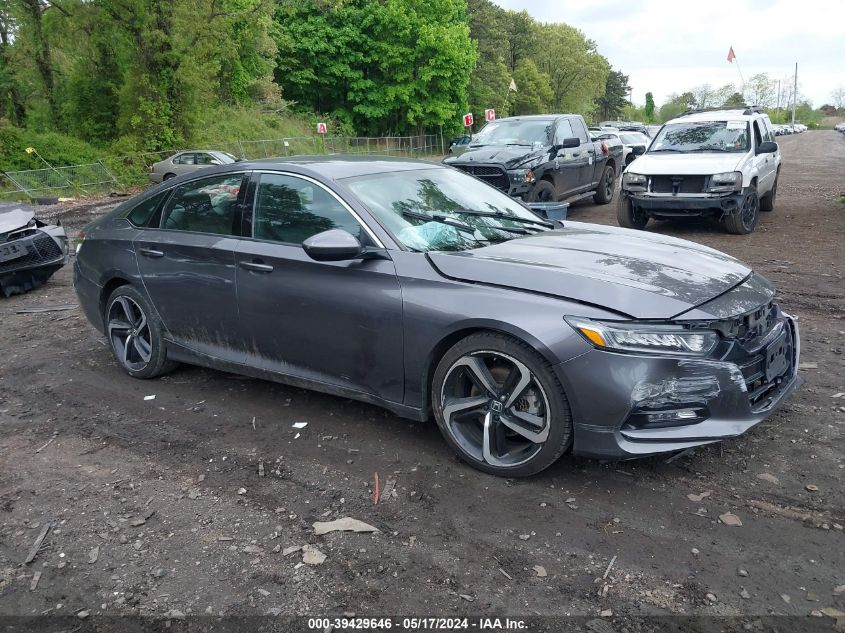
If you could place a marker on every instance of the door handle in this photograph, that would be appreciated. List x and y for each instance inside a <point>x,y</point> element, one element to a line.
<point>257,267</point>
<point>150,252</point>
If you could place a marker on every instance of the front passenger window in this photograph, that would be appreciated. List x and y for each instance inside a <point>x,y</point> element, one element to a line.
<point>290,210</point>
<point>209,205</point>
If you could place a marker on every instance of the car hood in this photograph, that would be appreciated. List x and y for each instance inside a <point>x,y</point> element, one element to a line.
<point>638,274</point>
<point>651,164</point>
<point>14,216</point>
<point>510,156</point>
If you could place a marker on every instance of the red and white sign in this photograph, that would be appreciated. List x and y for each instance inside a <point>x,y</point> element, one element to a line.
<point>322,128</point>
<point>490,114</point>
<point>468,120</point>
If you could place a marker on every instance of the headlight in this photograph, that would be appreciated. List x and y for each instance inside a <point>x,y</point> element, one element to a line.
<point>726,181</point>
<point>522,175</point>
<point>633,181</point>
<point>645,337</point>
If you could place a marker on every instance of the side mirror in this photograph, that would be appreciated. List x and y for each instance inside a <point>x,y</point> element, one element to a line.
<point>214,161</point>
<point>335,245</point>
<point>767,147</point>
<point>638,150</point>
<point>567,143</point>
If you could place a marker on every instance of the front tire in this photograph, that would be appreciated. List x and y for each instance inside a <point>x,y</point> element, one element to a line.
<point>607,185</point>
<point>629,216</point>
<point>744,220</point>
<point>543,191</point>
<point>135,334</point>
<point>500,406</point>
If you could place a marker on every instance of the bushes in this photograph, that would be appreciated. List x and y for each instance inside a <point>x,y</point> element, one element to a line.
<point>56,149</point>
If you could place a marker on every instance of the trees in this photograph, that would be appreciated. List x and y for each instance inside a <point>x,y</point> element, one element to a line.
<point>615,95</point>
<point>649,107</point>
<point>760,90</point>
<point>838,98</point>
<point>534,94</point>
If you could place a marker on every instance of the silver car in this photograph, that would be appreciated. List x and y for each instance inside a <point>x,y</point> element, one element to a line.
<point>188,161</point>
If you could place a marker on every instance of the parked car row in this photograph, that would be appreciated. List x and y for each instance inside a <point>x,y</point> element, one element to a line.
<point>839,127</point>
<point>782,130</point>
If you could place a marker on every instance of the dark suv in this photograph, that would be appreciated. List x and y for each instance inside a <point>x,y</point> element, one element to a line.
<point>542,158</point>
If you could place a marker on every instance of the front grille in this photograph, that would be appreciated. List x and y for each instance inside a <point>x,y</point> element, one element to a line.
<point>755,360</point>
<point>39,250</point>
<point>490,174</point>
<point>677,184</point>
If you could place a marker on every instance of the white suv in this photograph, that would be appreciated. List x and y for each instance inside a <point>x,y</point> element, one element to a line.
<point>720,163</point>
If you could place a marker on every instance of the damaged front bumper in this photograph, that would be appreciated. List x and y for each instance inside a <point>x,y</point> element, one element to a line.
<point>30,255</point>
<point>664,205</point>
<point>633,405</point>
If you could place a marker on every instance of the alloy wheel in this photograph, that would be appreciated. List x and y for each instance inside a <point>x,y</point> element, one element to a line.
<point>608,183</point>
<point>750,208</point>
<point>495,408</point>
<point>129,333</point>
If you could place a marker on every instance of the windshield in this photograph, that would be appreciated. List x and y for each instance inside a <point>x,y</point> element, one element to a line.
<point>634,138</point>
<point>703,136</point>
<point>522,132</point>
<point>439,209</point>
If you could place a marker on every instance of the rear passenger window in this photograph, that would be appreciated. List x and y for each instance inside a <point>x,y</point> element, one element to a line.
<point>290,210</point>
<point>144,211</point>
<point>209,205</point>
<point>184,159</point>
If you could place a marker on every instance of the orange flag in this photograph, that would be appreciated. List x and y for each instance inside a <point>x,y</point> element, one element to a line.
<point>731,55</point>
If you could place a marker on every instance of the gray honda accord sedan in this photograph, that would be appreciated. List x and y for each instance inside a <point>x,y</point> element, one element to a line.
<point>418,288</point>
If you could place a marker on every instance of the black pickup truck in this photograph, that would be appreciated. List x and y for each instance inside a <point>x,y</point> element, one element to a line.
<point>542,158</point>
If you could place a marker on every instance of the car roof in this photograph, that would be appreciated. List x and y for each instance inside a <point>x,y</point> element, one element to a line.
<point>337,166</point>
<point>534,117</point>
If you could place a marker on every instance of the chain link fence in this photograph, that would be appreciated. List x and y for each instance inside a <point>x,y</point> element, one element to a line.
<point>113,173</point>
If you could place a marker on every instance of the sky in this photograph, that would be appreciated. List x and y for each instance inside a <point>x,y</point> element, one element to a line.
<point>669,46</point>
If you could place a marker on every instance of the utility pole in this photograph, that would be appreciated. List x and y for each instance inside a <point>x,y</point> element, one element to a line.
<point>777,109</point>
<point>794,94</point>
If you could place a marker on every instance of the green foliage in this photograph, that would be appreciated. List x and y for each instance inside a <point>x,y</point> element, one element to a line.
<point>57,149</point>
<point>648,112</point>
<point>396,65</point>
<point>615,95</point>
<point>534,94</point>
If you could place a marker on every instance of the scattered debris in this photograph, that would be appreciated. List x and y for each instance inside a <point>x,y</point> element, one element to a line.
<point>770,478</point>
<point>290,550</point>
<point>812,487</point>
<point>609,566</point>
<point>728,518</point>
<point>808,365</point>
<point>346,524</point>
<point>744,594</point>
<point>137,522</point>
<point>83,614</point>
<point>300,425</point>
<point>312,556</point>
<point>39,540</point>
<point>174,614</point>
<point>784,512</point>
<point>742,573</point>
<point>466,597</point>
<point>785,598</point>
<point>33,584</point>
<point>261,469</point>
<point>711,597</point>
<point>505,574</point>
<point>524,537</point>
<point>839,590</point>
<point>150,397</point>
<point>241,491</point>
<point>264,592</point>
<point>39,309</point>
<point>698,498</point>
<point>253,423</point>
<point>606,613</point>
<point>832,612</point>
<point>540,570</point>
<point>695,551</point>
<point>50,441</point>
<point>375,489</point>
<point>93,555</point>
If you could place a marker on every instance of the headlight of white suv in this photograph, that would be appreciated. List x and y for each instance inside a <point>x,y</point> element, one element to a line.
<point>726,181</point>
<point>645,337</point>
<point>633,182</point>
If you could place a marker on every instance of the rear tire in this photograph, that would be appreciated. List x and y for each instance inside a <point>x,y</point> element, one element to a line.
<point>744,220</point>
<point>135,334</point>
<point>168,177</point>
<point>543,191</point>
<point>500,406</point>
<point>607,185</point>
<point>767,202</point>
<point>628,216</point>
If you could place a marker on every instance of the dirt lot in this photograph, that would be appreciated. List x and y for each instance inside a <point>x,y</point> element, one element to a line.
<point>159,505</point>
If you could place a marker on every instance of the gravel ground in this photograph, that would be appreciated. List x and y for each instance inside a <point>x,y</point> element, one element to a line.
<point>186,503</point>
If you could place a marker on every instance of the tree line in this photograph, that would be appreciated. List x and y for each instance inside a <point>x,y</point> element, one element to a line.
<point>143,71</point>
